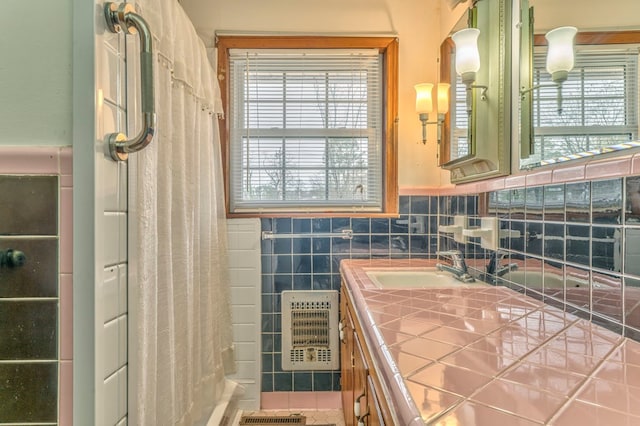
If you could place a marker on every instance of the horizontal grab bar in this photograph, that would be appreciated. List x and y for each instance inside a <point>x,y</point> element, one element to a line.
<point>346,234</point>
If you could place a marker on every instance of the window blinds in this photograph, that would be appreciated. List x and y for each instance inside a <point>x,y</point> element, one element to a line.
<point>306,129</point>
<point>598,107</point>
<point>459,142</point>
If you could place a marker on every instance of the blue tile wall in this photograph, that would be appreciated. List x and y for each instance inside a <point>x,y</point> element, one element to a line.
<point>585,234</point>
<point>579,244</point>
<point>312,263</point>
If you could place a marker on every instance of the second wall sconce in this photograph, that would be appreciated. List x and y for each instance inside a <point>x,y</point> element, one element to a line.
<point>560,53</point>
<point>560,58</point>
<point>424,106</point>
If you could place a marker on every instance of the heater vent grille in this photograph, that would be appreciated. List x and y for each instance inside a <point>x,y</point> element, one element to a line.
<point>273,420</point>
<point>309,330</point>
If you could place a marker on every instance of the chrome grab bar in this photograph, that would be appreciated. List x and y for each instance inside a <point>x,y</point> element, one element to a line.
<point>122,18</point>
<point>345,234</point>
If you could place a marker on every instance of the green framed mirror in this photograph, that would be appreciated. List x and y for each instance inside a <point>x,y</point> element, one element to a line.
<point>595,110</point>
<point>477,129</point>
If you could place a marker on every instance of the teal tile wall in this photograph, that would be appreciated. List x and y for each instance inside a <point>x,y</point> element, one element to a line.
<point>587,234</point>
<point>584,234</point>
<point>312,263</point>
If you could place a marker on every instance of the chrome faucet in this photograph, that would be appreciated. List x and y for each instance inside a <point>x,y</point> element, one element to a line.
<point>495,267</point>
<point>459,267</point>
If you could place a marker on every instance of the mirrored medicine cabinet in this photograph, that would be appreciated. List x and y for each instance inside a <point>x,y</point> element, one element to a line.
<point>595,110</point>
<point>477,129</point>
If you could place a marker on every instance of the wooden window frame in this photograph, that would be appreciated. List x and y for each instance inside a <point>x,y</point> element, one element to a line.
<point>388,46</point>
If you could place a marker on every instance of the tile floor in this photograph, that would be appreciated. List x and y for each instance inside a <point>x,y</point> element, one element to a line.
<point>314,417</point>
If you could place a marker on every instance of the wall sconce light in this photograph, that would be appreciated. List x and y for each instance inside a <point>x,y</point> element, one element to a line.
<point>560,53</point>
<point>560,59</point>
<point>468,60</point>
<point>424,106</point>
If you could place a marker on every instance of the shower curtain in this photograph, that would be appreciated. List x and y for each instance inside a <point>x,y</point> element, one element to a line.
<point>182,345</point>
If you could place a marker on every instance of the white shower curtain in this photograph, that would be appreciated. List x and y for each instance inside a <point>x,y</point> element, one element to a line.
<point>180,316</point>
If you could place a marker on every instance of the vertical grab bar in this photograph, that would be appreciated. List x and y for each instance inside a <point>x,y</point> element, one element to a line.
<point>122,17</point>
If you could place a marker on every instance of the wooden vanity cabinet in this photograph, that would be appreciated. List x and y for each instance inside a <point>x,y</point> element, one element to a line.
<point>360,391</point>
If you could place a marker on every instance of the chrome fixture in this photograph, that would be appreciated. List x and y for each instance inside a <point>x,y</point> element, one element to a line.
<point>459,267</point>
<point>345,234</point>
<point>12,258</point>
<point>495,267</point>
<point>122,18</point>
<point>414,224</point>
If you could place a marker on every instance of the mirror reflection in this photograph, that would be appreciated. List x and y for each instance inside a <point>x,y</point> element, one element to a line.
<point>475,61</point>
<point>588,105</point>
<point>456,134</point>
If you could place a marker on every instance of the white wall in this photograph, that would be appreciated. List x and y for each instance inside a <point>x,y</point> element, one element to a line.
<point>416,22</point>
<point>100,221</point>
<point>111,275</point>
<point>35,72</point>
<point>245,279</point>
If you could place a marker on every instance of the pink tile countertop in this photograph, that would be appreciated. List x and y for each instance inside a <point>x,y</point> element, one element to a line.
<point>491,356</point>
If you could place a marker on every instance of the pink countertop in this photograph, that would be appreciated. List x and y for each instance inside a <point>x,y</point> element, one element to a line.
<point>491,356</point>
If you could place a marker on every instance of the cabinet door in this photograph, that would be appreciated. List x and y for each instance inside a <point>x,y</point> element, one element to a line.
<point>360,373</point>
<point>375,413</point>
<point>346,361</point>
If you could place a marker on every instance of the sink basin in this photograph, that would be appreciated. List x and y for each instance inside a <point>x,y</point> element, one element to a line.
<point>535,279</point>
<point>417,278</point>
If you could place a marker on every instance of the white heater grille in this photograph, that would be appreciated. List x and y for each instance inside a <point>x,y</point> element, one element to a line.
<point>310,330</point>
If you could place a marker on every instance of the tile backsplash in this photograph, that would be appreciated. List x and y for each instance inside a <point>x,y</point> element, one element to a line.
<point>309,262</point>
<point>578,247</point>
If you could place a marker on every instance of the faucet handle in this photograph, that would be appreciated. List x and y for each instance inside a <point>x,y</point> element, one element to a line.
<point>452,253</point>
<point>456,255</point>
<point>500,254</point>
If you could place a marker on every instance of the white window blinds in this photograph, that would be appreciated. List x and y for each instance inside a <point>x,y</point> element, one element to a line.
<point>306,130</point>
<point>598,108</point>
<point>459,116</point>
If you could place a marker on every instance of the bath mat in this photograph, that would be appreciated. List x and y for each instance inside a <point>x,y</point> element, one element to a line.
<point>293,420</point>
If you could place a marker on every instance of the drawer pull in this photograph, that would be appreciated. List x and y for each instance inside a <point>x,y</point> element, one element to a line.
<point>356,406</point>
<point>361,419</point>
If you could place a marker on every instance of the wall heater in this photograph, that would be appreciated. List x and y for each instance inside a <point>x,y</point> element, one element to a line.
<point>310,330</point>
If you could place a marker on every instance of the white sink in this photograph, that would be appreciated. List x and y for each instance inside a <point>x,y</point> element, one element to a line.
<point>417,278</point>
<point>534,279</point>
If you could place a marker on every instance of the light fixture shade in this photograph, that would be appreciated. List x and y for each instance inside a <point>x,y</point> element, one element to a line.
<point>560,52</point>
<point>443,98</point>
<point>467,54</point>
<point>424,101</point>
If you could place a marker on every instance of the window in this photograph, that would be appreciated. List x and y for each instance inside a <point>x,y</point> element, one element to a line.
<point>309,124</point>
<point>459,116</point>
<point>597,108</point>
